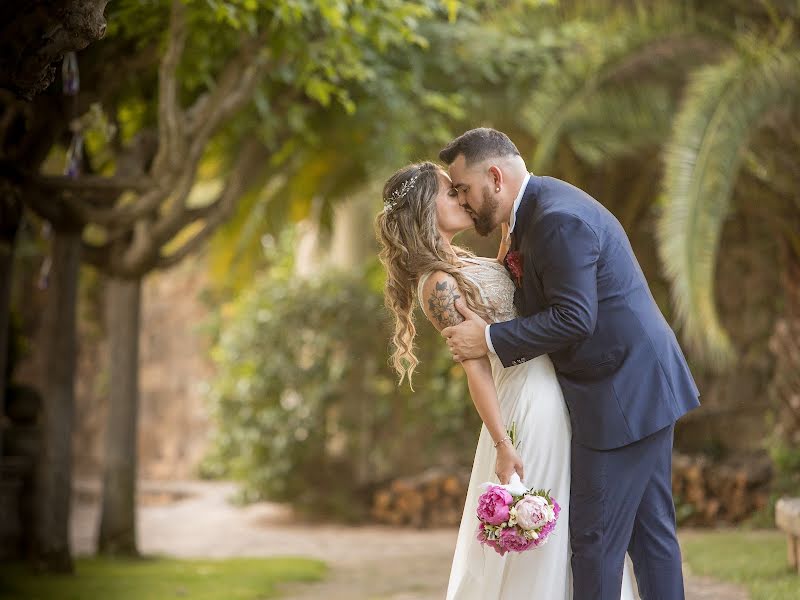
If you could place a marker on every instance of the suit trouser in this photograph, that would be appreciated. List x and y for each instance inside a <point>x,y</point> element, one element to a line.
<point>621,500</point>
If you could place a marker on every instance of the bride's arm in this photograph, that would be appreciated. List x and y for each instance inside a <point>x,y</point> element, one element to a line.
<point>438,303</point>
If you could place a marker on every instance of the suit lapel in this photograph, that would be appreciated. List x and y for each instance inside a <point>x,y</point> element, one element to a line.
<point>529,298</point>
<point>525,210</point>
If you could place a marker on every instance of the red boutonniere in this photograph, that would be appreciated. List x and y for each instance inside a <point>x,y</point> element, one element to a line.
<point>514,263</point>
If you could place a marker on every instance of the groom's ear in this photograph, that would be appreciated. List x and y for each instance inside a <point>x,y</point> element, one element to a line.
<point>496,177</point>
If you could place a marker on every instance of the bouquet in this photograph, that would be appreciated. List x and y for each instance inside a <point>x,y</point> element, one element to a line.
<point>513,518</point>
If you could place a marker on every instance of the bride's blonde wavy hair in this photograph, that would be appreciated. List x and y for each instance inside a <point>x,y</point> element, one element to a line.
<point>411,246</point>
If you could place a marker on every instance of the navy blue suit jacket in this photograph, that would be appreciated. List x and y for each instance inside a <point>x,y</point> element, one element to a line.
<point>585,301</point>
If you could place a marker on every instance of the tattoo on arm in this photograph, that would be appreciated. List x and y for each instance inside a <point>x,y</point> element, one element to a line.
<point>442,304</point>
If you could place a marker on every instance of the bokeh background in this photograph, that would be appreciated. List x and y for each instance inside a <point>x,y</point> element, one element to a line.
<point>190,283</point>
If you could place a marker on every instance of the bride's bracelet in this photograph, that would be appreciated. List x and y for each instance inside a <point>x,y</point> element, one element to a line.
<point>500,441</point>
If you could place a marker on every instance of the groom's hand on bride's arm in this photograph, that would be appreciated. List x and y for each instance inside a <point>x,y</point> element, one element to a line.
<point>467,339</point>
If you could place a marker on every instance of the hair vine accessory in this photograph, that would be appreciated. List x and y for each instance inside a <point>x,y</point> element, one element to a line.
<point>394,198</point>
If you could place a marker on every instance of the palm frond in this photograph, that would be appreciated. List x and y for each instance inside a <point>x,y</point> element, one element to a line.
<point>723,105</point>
<point>620,122</point>
<point>640,47</point>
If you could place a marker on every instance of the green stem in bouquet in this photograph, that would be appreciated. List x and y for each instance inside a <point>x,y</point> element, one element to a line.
<point>512,433</point>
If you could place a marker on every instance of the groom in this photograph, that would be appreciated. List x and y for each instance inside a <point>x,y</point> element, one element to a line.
<point>583,299</point>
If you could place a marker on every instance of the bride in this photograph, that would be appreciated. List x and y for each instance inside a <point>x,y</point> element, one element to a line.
<point>421,216</point>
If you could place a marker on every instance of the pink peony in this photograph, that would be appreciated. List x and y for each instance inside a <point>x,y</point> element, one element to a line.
<point>481,532</point>
<point>497,547</point>
<point>513,541</point>
<point>544,532</point>
<point>493,505</point>
<point>534,512</point>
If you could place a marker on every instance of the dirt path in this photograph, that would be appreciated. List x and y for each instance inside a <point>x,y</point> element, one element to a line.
<point>367,563</point>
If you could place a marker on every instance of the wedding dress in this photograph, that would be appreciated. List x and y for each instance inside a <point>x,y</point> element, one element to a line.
<point>529,394</point>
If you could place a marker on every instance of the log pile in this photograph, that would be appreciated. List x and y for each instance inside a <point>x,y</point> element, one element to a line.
<point>434,498</point>
<point>708,492</point>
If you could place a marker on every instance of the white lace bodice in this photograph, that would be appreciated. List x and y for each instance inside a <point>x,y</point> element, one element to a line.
<point>494,283</point>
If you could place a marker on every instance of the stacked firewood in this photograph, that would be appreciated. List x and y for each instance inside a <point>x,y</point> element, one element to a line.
<point>434,498</point>
<point>708,492</point>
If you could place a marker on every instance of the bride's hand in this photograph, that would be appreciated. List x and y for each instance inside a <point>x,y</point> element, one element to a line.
<point>508,461</point>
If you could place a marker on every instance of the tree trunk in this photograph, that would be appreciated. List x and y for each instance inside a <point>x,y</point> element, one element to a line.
<point>349,248</point>
<point>352,241</point>
<point>10,216</point>
<point>37,33</point>
<point>54,470</point>
<point>118,518</point>
<point>6,260</point>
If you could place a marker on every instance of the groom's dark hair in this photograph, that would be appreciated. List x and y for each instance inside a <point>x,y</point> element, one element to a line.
<point>477,145</point>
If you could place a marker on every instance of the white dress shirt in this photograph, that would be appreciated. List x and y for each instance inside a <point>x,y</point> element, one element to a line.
<point>511,222</point>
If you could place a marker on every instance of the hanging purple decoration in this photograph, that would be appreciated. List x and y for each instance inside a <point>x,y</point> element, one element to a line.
<point>70,77</point>
<point>74,155</point>
<point>71,83</point>
<point>44,273</point>
<point>47,263</point>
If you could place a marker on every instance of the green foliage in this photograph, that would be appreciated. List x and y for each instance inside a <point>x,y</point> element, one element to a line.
<point>415,100</point>
<point>621,122</point>
<point>307,407</point>
<point>156,577</point>
<point>785,479</point>
<point>619,53</point>
<point>722,107</point>
<point>321,60</point>
<point>614,84</point>
<point>786,460</point>
<point>753,559</point>
<point>318,44</point>
<point>321,56</point>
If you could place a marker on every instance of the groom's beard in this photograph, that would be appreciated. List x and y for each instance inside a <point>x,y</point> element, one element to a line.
<point>484,218</point>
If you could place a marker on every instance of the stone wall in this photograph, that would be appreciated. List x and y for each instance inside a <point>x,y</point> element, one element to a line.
<point>175,366</point>
<point>174,357</point>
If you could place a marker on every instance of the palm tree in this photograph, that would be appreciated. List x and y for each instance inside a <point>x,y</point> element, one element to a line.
<point>711,143</point>
<point>628,92</point>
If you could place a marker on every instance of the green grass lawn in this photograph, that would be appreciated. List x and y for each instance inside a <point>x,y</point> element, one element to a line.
<point>754,559</point>
<point>159,578</point>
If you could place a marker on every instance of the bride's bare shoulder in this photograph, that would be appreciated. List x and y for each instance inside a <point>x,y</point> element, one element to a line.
<point>438,297</point>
